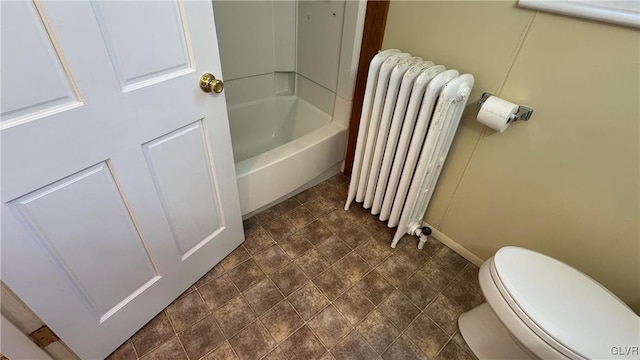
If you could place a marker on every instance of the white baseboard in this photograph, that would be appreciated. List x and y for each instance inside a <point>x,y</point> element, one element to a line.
<point>18,345</point>
<point>450,243</point>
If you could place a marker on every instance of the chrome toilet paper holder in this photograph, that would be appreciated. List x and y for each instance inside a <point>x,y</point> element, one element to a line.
<point>523,113</point>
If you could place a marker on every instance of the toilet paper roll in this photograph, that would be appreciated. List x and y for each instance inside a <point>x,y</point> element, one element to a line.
<point>497,113</point>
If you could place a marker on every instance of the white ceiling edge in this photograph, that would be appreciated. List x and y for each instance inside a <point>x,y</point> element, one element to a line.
<point>625,13</point>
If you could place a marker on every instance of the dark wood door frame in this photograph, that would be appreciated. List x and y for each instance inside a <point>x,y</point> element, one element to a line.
<point>374,24</point>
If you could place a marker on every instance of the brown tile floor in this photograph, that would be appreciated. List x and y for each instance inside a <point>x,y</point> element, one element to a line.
<point>313,281</point>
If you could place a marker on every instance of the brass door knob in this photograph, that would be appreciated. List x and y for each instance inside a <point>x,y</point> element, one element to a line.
<point>209,83</point>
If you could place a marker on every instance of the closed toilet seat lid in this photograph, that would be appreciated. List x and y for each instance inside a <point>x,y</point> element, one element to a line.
<point>567,305</point>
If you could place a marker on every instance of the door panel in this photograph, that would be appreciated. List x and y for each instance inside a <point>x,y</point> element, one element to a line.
<point>115,206</point>
<point>53,88</point>
<point>61,219</point>
<point>130,35</point>
<point>179,164</point>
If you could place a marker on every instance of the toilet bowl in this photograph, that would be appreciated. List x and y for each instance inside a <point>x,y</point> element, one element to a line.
<point>540,308</point>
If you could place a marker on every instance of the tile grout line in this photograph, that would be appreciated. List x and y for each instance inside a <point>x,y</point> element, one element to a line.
<point>376,307</point>
<point>172,328</point>
<point>422,310</point>
<point>284,298</point>
<point>175,333</point>
<point>212,311</point>
<point>373,237</point>
<point>184,350</point>
<point>306,322</point>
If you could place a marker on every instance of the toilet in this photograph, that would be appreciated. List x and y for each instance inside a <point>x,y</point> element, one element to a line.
<point>540,308</point>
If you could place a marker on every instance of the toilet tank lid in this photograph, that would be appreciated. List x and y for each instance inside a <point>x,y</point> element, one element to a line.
<point>568,305</point>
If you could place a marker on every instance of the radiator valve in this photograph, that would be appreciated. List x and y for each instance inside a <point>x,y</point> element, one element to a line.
<point>424,236</point>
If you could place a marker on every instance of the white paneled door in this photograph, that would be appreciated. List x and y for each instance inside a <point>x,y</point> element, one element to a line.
<point>118,183</point>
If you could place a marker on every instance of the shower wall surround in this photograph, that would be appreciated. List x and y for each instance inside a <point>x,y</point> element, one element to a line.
<point>289,70</point>
<point>305,48</point>
<point>257,41</point>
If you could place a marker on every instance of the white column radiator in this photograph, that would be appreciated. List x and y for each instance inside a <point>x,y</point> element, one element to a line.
<point>410,113</point>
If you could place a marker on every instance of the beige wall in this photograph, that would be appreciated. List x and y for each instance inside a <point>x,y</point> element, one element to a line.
<point>567,182</point>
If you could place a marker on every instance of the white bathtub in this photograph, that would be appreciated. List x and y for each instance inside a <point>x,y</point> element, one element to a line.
<point>279,145</point>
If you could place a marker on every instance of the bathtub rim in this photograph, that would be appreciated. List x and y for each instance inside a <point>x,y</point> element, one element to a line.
<point>258,178</point>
